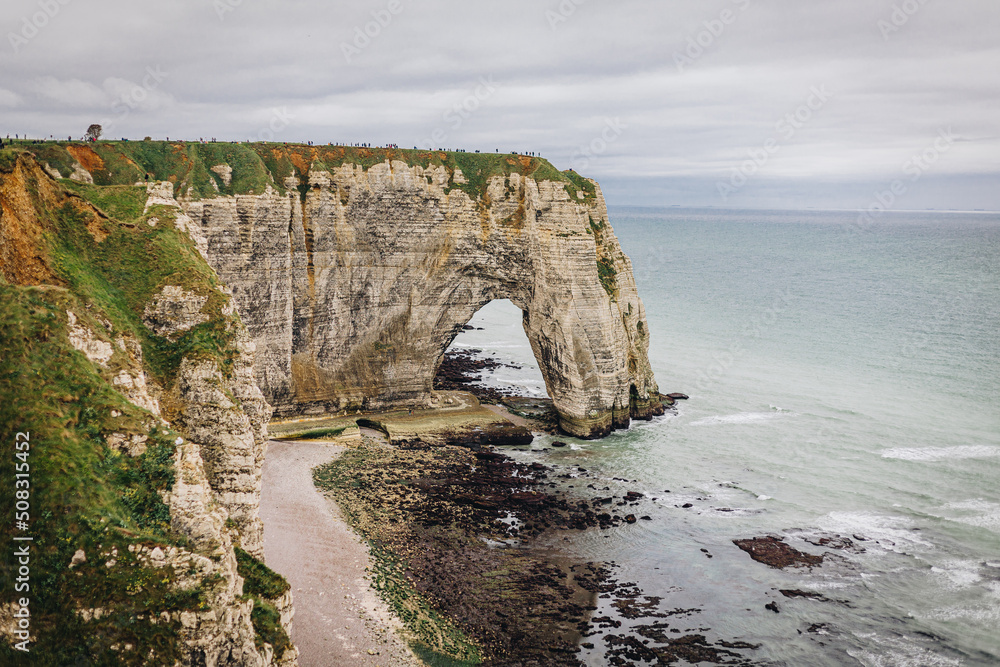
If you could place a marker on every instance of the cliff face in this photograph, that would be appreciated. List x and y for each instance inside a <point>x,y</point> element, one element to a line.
<point>355,269</point>
<point>358,281</point>
<point>126,361</point>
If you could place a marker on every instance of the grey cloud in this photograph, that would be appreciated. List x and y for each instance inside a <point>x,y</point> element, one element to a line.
<point>559,81</point>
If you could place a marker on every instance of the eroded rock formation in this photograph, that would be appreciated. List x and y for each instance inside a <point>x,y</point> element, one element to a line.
<point>356,282</point>
<point>354,269</point>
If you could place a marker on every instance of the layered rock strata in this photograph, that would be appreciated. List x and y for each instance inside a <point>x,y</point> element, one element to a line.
<point>356,281</point>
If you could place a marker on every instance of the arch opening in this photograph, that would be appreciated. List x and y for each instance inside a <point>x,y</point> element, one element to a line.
<point>492,357</point>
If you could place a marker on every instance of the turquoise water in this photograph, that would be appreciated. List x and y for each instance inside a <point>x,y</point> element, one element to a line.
<point>843,381</point>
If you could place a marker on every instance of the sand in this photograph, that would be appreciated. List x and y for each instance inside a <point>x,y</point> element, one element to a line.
<point>506,414</point>
<point>339,620</point>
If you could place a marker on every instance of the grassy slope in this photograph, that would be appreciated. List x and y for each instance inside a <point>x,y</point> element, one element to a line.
<point>264,584</point>
<point>84,494</point>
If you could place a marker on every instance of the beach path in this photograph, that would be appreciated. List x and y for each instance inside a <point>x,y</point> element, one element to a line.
<point>338,620</point>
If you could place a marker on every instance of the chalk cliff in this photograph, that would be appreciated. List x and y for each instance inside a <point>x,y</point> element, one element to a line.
<point>354,269</point>
<point>127,364</point>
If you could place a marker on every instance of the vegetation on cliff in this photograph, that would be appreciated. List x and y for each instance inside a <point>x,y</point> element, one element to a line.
<point>84,495</point>
<point>264,585</point>
<point>256,166</point>
<point>85,258</point>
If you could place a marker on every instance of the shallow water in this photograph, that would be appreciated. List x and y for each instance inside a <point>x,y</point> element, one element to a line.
<point>842,381</point>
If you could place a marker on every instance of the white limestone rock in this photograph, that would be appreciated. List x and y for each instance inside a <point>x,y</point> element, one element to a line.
<point>353,291</point>
<point>87,341</point>
<point>225,172</point>
<point>174,311</point>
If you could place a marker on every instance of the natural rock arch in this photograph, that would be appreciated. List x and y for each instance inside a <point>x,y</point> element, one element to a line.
<point>356,282</point>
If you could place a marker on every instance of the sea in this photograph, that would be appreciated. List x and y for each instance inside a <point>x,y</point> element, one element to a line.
<point>844,382</point>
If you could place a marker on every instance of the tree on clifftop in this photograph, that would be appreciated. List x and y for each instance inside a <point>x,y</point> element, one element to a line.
<point>94,132</point>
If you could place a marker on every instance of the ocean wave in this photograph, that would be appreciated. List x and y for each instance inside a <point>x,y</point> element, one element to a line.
<point>987,514</point>
<point>959,573</point>
<point>975,505</point>
<point>931,454</point>
<point>741,418</point>
<point>987,615</point>
<point>890,532</point>
<point>881,651</point>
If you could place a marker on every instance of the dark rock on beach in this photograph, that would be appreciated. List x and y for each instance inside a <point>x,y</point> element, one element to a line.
<point>444,511</point>
<point>775,552</point>
<point>463,371</point>
<point>439,520</point>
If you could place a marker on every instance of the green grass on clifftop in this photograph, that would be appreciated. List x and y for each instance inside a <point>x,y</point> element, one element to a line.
<point>121,273</point>
<point>255,166</point>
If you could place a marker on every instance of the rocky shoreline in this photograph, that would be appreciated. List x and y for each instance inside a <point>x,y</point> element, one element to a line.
<point>452,561</point>
<point>462,541</point>
<point>462,370</point>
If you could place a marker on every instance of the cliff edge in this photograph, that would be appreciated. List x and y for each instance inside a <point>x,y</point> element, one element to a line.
<point>354,269</point>
<point>131,414</point>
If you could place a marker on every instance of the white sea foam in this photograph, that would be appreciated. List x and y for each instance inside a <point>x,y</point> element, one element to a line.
<point>828,585</point>
<point>942,453</point>
<point>960,573</point>
<point>740,418</point>
<point>891,532</point>
<point>973,505</point>
<point>987,514</point>
<point>737,511</point>
<point>882,651</point>
<point>984,615</point>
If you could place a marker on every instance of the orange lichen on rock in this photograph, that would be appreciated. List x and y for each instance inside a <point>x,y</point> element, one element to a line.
<point>299,162</point>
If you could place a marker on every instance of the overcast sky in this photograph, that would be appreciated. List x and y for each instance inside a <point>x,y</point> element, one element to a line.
<point>737,103</point>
